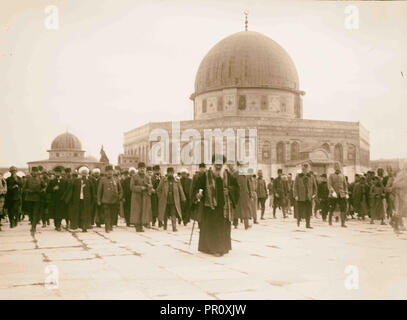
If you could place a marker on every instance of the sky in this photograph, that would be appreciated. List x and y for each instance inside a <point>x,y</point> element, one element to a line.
<point>113,65</point>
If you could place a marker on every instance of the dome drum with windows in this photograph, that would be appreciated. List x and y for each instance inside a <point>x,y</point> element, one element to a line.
<point>247,74</point>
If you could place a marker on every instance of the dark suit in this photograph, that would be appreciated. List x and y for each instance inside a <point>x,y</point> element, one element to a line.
<point>280,192</point>
<point>13,198</point>
<point>127,199</point>
<point>186,206</point>
<point>57,205</point>
<point>155,180</point>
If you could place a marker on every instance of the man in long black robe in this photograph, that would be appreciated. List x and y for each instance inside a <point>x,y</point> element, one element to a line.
<point>215,228</point>
<point>82,200</point>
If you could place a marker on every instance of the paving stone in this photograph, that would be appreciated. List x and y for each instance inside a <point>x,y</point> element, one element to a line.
<point>272,260</point>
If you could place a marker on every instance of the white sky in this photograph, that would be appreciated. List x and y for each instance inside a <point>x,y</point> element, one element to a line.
<point>114,65</point>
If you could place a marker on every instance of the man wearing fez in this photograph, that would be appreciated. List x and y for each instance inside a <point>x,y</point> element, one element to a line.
<point>261,190</point>
<point>305,189</point>
<point>68,177</point>
<point>56,189</point>
<point>13,196</point>
<point>127,194</point>
<point>108,196</point>
<point>32,187</point>
<point>97,212</point>
<point>243,210</point>
<point>196,204</point>
<point>141,187</point>
<point>280,190</point>
<point>186,187</point>
<point>81,197</point>
<point>155,181</point>
<point>323,196</point>
<point>338,193</point>
<point>44,210</point>
<point>218,198</point>
<point>170,196</point>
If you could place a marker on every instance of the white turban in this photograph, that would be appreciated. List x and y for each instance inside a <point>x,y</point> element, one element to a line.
<point>83,170</point>
<point>184,170</point>
<point>132,169</point>
<point>96,170</point>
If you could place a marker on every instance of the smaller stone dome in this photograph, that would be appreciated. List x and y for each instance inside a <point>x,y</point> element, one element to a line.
<point>91,158</point>
<point>66,141</point>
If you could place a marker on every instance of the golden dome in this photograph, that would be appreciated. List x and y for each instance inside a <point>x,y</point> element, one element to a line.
<point>246,59</point>
<point>66,141</point>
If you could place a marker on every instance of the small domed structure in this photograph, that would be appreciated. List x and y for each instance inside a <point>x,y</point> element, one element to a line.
<point>66,141</point>
<point>66,151</point>
<point>91,158</point>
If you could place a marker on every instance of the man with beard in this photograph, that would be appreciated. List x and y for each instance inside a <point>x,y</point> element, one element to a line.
<point>338,193</point>
<point>33,186</point>
<point>215,228</point>
<point>127,194</point>
<point>170,196</point>
<point>141,187</point>
<point>82,199</point>
<point>155,181</point>
<point>305,189</point>
<point>13,196</point>
<point>56,189</point>
<point>261,192</point>
<point>108,197</point>
<point>186,187</point>
<point>97,212</point>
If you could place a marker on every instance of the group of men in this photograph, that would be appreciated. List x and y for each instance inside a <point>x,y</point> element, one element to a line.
<point>144,197</point>
<point>370,195</point>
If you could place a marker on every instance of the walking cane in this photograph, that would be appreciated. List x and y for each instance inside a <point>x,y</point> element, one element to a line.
<point>192,231</point>
<point>193,225</point>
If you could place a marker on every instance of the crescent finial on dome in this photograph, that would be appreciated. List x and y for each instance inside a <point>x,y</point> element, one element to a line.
<point>246,22</point>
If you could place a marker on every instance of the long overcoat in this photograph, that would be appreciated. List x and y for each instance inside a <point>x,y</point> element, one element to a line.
<point>73,196</point>
<point>162,191</point>
<point>140,209</point>
<point>243,209</point>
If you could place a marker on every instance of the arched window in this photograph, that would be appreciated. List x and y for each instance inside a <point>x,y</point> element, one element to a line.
<point>220,103</point>
<point>351,152</point>
<point>295,151</point>
<point>283,106</point>
<point>266,151</point>
<point>338,153</point>
<point>326,147</point>
<point>204,106</point>
<point>264,103</point>
<point>280,152</point>
<point>242,102</point>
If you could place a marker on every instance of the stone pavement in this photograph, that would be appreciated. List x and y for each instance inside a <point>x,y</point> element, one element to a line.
<point>272,260</point>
